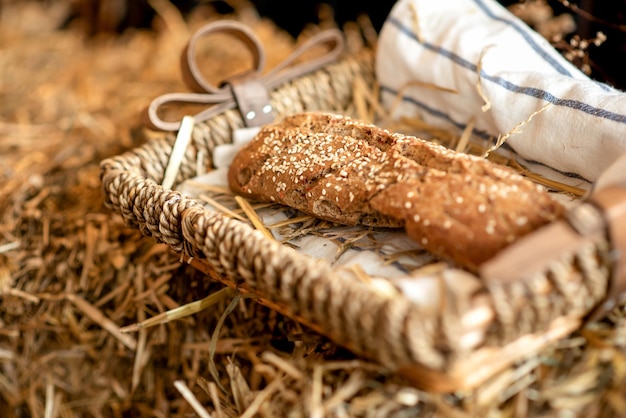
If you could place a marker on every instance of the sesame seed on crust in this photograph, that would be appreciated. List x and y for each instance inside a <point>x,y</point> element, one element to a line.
<point>460,207</point>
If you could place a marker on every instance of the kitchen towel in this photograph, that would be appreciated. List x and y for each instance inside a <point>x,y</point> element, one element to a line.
<point>498,73</point>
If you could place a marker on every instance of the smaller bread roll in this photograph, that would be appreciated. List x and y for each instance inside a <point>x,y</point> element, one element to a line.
<point>459,207</point>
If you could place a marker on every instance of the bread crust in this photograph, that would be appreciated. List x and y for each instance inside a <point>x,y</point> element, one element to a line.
<point>459,207</point>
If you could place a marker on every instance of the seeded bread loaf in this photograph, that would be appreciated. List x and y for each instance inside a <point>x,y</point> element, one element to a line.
<point>457,206</point>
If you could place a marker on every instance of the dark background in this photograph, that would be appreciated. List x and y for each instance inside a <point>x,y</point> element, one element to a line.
<point>609,16</point>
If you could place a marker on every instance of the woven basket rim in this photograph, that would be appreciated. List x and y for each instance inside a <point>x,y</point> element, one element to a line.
<point>424,348</point>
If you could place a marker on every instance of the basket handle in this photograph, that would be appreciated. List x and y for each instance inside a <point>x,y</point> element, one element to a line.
<point>601,216</point>
<point>249,92</point>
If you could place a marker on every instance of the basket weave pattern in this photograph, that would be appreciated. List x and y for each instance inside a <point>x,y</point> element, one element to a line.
<point>384,326</point>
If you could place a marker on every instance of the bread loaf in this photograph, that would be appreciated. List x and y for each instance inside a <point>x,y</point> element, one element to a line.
<point>457,206</point>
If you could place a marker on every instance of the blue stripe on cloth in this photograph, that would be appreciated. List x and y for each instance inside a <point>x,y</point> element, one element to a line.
<point>480,133</point>
<point>439,50</point>
<point>569,174</point>
<point>437,113</point>
<point>548,97</point>
<point>528,91</point>
<point>531,42</point>
<point>522,30</point>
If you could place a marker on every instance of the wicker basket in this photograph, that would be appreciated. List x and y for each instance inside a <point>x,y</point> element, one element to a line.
<point>518,315</point>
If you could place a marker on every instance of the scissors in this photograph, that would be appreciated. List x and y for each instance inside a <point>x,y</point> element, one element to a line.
<point>249,92</point>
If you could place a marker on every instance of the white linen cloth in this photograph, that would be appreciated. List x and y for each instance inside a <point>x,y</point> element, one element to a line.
<point>445,42</point>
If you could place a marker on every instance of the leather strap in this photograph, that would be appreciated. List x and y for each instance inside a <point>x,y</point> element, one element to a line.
<point>248,91</point>
<point>192,75</point>
<point>602,215</point>
<point>532,254</point>
<point>253,99</point>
